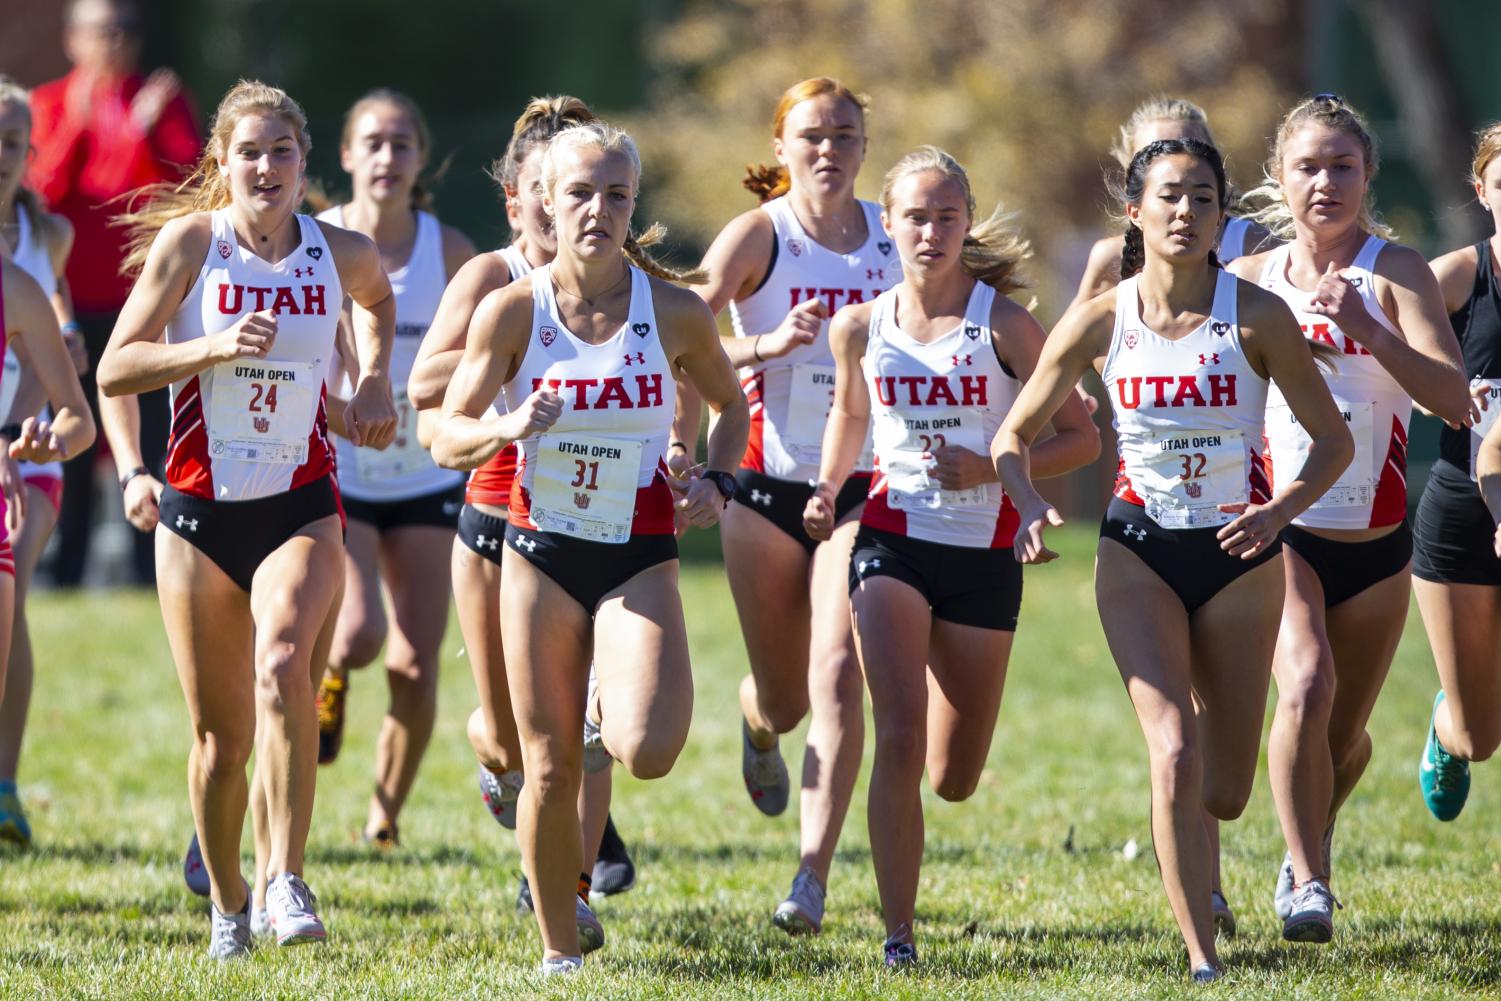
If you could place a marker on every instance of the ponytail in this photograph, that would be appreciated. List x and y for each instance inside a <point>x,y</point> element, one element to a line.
<point>635,252</point>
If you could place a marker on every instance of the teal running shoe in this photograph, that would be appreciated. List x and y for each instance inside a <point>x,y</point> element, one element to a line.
<point>1445,779</point>
<point>14,828</point>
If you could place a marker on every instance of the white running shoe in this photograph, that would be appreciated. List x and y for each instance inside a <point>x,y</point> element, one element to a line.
<point>1224,917</point>
<point>194,873</point>
<point>1282,897</point>
<point>500,793</point>
<point>802,912</point>
<point>765,775</point>
<point>596,755</point>
<point>290,906</point>
<point>591,932</point>
<point>562,966</point>
<point>229,934</point>
<point>1312,917</point>
<point>1208,973</point>
<point>260,922</point>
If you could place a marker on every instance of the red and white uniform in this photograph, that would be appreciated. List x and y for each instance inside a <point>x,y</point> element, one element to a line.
<point>404,469</point>
<point>255,427</point>
<point>7,556</point>
<point>790,396</point>
<point>953,391</point>
<point>491,482</point>
<point>1188,413</point>
<point>597,474</point>
<point>1372,491</point>
<point>32,257</point>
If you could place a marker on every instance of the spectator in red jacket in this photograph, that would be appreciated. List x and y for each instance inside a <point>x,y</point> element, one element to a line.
<point>101,131</point>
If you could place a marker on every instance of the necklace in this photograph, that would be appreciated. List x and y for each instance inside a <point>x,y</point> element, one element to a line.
<point>597,295</point>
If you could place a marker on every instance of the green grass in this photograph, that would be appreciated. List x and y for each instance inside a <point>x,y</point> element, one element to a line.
<point>1025,890</point>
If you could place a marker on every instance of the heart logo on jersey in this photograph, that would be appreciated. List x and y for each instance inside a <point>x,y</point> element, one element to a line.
<point>1131,339</point>
<point>548,334</point>
<point>316,253</point>
<point>796,246</point>
<point>884,246</point>
<point>972,331</point>
<point>1220,327</point>
<point>1356,281</point>
<point>641,329</point>
<point>224,250</point>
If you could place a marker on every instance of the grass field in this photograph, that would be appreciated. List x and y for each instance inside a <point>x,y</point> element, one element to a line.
<point>1026,890</point>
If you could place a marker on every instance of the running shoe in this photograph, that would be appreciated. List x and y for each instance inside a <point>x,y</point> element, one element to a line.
<point>194,873</point>
<point>1224,917</point>
<point>765,775</point>
<point>614,872</point>
<point>1282,897</point>
<point>898,954</point>
<point>1312,917</point>
<point>14,828</point>
<point>500,793</point>
<point>384,838</point>
<point>563,966</point>
<point>1445,779</point>
<point>1208,973</point>
<point>331,695</point>
<point>591,932</point>
<point>290,905</point>
<point>802,912</point>
<point>596,755</point>
<point>229,934</point>
<point>260,922</point>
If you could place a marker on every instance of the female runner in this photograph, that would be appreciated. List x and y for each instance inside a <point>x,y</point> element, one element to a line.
<point>249,545</point>
<point>1346,556</point>
<point>1457,577</point>
<point>401,506</point>
<point>1186,576</point>
<point>783,270</point>
<point>1153,119</point>
<point>587,349</point>
<point>39,243</point>
<point>934,586</point>
<point>482,521</point>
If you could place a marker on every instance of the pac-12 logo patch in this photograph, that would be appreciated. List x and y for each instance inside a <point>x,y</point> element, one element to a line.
<point>316,253</point>
<point>1132,339</point>
<point>884,246</point>
<point>641,329</point>
<point>548,335</point>
<point>224,249</point>
<point>795,246</point>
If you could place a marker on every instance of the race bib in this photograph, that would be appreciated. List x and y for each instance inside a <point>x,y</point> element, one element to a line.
<point>1488,418</point>
<point>909,481</point>
<point>585,486</point>
<point>808,407</point>
<point>403,457</point>
<point>1356,486</point>
<point>1186,475</point>
<point>262,411</point>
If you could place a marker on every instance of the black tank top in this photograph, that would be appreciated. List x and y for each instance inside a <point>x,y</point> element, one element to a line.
<point>1477,324</point>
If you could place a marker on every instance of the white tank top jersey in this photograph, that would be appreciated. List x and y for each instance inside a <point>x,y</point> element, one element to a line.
<point>597,474</point>
<point>491,482</point>
<point>1188,413</point>
<point>952,391</point>
<point>256,427</point>
<point>32,257</point>
<point>1372,491</point>
<point>404,469</point>
<point>790,396</point>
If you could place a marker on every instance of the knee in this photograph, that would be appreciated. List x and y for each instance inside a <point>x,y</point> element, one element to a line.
<point>1176,769</point>
<point>359,646</point>
<point>281,677</point>
<point>553,774</point>
<point>1309,692</point>
<point>784,709</point>
<point>223,755</point>
<point>954,785</point>
<point>644,755</point>
<point>1225,800</point>
<point>413,684</point>
<point>901,743</point>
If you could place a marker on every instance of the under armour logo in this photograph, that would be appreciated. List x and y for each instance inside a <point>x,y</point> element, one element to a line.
<point>1132,532</point>
<point>530,545</point>
<point>639,358</point>
<point>316,253</point>
<point>191,524</point>
<point>299,271</point>
<point>1210,359</point>
<point>1220,327</point>
<point>962,360</point>
<point>641,329</point>
<point>758,497</point>
<point>871,274</point>
<point>860,567</point>
<point>486,543</point>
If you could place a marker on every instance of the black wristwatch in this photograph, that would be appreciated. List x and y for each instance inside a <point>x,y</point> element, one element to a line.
<point>724,481</point>
<point>137,471</point>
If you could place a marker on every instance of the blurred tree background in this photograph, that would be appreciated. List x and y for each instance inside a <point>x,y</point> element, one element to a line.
<point>1028,94</point>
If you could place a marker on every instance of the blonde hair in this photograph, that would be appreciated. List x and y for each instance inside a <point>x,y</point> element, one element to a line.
<point>768,181</point>
<point>543,118</point>
<point>205,189</point>
<point>608,139</point>
<point>1333,113</point>
<point>1158,109</point>
<point>1487,148</point>
<point>422,196</point>
<point>992,251</point>
<point>46,225</point>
